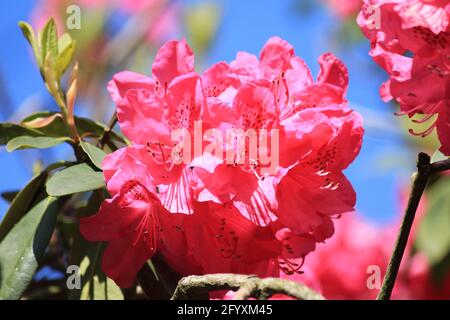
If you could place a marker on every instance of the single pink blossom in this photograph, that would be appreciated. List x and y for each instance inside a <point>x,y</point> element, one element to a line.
<point>150,109</point>
<point>133,221</point>
<point>353,262</point>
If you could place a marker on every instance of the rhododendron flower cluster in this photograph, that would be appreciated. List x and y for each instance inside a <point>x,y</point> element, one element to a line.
<point>412,44</point>
<point>222,211</point>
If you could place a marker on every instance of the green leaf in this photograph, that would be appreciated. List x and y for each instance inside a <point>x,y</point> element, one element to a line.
<point>55,128</point>
<point>41,122</point>
<point>9,195</point>
<point>103,288</point>
<point>434,231</point>
<point>59,165</point>
<point>86,127</point>
<point>95,154</point>
<point>95,284</point>
<point>80,245</point>
<point>51,80</point>
<point>75,179</point>
<point>24,246</point>
<point>10,131</point>
<point>81,248</point>
<point>49,41</point>
<point>66,52</point>
<point>22,203</point>
<point>28,32</point>
<point>28,142</point>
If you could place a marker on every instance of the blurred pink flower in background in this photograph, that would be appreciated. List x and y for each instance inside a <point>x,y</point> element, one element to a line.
<point>412,44</point>
<point>345,9</point>
<point>337,269</point>
<point>112,34</point>
<point>161,19</point>
<point>56,9</point>
<point>340,268</point>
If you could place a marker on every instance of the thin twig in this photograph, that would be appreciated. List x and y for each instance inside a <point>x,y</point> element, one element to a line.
<point>248,286</point>
<point>424,170</point>
<point>107,132</point>
<point>440,166</point>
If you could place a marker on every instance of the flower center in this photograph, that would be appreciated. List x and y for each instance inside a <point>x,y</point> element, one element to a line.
<point>133,191</point>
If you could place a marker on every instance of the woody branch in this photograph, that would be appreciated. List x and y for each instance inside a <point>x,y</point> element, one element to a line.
<point>247,286</point>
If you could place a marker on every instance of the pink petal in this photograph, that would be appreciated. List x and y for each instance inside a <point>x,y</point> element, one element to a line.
<point>173,59</point>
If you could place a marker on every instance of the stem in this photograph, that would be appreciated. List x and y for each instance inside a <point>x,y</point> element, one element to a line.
<point>424,171</point>
<point>107,132</point>
<point>193,287</point>
<point>440,166</point>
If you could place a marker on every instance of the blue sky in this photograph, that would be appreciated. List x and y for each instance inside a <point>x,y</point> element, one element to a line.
<point>378,172</point>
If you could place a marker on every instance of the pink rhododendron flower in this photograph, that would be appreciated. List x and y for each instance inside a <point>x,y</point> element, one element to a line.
<point>412,44</point>
<point>277,91</point>
<point>225,208</point>
<point>133,221</point>
<point>150,109</point>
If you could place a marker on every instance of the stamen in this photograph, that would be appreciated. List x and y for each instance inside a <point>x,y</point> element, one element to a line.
<point>289,267</point>
<point>163,159</point>
<point>227,241</point>
<point>410,111</point>
<point>424,119</point>
<point>423,134</point>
